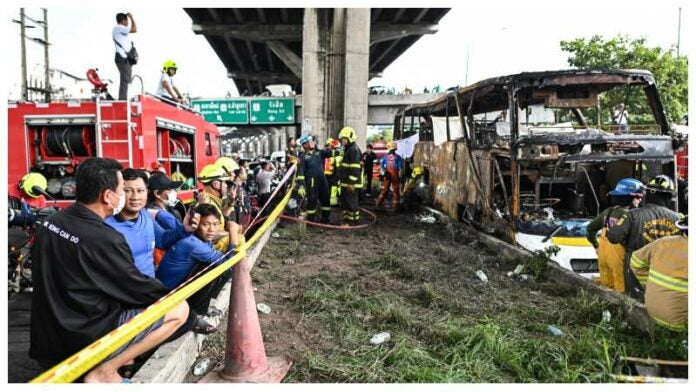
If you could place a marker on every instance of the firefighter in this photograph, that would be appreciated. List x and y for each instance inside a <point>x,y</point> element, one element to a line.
<point>390,170</point>
<point>310,174</point>
<point>214,179</point>
<point>410,196</point>
<point>661,268</point>
<point>610,257</point>
<point>166,87</point>
<point>330,170</point>
<point>644,225</point>
<point>350,176</point>
<point>227,163</point>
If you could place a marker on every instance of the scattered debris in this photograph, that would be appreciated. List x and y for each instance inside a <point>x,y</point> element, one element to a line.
<point>202,366</point>
<point>606,316</point>
<point>524,276</point>
<point>289,261</point>
<point>425,218</point>
<point>263,264</point>
<point>380,338</point>
<point>553,330</point>
<point>275,235</point>
<point>263,308</point>
<point>482,276</point>
<point>518,269</point>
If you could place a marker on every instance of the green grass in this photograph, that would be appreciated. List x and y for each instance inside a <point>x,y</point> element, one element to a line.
<point>437,346</point>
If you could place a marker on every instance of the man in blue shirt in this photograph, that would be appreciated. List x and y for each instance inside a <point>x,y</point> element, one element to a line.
<point>194,253</point>
<point>142,233</point>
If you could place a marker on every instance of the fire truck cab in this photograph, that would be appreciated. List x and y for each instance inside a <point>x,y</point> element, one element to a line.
<point>144,132</point>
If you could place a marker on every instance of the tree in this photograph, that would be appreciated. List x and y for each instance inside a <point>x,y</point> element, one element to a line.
<point>384,135</point>
<point>671,72</point>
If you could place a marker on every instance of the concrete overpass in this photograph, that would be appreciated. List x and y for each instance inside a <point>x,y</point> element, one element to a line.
<point>327,54</point>
<point>262,141</point>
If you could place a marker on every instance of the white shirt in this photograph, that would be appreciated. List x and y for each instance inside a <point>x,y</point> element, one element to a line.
<point>161,91</point>
<point>120,35</point>
<point>264,180</point>
<point>621,117</point>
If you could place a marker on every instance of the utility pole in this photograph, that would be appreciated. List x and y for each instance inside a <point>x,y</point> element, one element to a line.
<point>22,27</point>
<point>47,70</point>
<point>679,32</point>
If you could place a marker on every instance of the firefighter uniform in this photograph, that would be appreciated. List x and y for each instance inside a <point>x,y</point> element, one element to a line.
<point>610,257</point>
<point>330,171</point>
<point>641,226</point>
<point>207,175</point>
<point>661,268</point>
<point>390,170</point>
<point>350,176</point>
<point>310,171</point>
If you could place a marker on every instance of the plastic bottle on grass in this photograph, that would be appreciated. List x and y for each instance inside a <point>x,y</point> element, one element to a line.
<point>482,276</point>
<point>380,338</point>
<point>553,330</point>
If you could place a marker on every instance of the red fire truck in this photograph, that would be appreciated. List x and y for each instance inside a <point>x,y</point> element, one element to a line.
<point>145,132</point>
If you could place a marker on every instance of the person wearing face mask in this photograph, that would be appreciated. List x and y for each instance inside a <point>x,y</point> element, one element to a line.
<point>142,233</point>
<point>85,280</point>
<point>161,200</point>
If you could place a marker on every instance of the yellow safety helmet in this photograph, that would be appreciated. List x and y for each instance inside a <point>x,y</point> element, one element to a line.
<point>348,133</point>
<point>178,176</point>
<point>417,171</point>
<point>31,180</point>
<point>169,64</point>
<point>391,145</point>
<point>212,172</point>
<point>227,163</point>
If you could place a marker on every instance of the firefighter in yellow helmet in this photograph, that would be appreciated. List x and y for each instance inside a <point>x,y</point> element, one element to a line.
<point>227,163</point>
<point>350,175</point>
<point>166,86</point>
<point>390,169</point>
<point>410,197</point>
<point>214,179</point>
<point>662,270</point>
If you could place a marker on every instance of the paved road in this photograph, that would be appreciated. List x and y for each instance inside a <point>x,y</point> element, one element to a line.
<point>21,368</point>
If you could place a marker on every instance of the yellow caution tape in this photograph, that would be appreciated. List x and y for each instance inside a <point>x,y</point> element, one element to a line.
<point>84,360</point>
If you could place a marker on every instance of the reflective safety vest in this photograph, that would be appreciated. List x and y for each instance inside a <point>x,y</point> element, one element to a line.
<point>329,164</point>
<point>662,268</point>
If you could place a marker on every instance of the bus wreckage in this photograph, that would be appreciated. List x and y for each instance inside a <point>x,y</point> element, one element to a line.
<point>531,157</point>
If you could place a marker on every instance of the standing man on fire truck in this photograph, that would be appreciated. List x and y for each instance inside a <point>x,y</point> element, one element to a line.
<point>121,42</point>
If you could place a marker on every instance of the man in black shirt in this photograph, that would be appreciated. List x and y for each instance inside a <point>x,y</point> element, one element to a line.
<point>85,281</point>
<point>368,159</point>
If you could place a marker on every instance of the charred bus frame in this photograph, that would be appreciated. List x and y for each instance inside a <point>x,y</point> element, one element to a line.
<point>535,185</point>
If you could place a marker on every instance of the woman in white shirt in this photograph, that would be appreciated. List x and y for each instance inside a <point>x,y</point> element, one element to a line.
<point>166,86</point>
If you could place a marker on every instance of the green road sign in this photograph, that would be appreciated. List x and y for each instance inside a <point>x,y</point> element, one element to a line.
<point>224,111</point>
<point>272,110</point>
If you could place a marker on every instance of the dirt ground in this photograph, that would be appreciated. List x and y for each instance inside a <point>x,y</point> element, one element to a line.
<point>330,291</point>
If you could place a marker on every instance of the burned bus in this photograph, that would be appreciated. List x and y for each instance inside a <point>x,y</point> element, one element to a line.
<point>531,157</point>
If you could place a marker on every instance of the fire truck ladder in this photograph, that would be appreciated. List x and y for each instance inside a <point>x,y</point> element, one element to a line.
<point>101,124</point>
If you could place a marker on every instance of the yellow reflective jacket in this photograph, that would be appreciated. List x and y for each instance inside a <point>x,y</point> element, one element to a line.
<point>662,268</point>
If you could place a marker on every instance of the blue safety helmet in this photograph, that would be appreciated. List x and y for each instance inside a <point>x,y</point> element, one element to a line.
<point>628,187</point>
<point>304,139</point>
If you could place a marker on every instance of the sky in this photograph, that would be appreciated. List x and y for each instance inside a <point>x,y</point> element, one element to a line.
<point>497,37</point>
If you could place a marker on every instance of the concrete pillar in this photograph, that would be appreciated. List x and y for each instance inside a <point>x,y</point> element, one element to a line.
<point>313,70</point>
<point>356,71</point>
<point>336,75</point>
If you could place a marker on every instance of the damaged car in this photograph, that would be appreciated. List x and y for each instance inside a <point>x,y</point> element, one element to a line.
<point>531,157</point>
